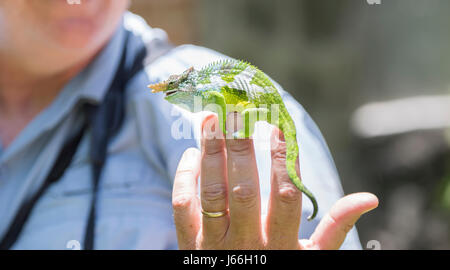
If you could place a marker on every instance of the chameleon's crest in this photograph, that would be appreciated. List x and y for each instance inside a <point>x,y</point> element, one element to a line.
<point>172,83</point>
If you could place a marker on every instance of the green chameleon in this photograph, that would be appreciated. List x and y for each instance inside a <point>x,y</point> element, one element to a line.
<point>248,91</point>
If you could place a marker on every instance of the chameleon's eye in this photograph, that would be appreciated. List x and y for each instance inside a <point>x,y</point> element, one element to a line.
<point>171,85</point>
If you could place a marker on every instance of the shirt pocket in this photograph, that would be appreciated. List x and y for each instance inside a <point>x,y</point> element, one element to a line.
<point>122,174</point>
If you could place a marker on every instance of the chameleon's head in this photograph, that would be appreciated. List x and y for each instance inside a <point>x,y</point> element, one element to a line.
<point>176,87</point>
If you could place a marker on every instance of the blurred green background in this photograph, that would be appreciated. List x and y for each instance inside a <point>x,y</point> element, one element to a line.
<point>376,80</point>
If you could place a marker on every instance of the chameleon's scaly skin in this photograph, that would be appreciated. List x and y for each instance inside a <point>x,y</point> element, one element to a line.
<point>251,92</point>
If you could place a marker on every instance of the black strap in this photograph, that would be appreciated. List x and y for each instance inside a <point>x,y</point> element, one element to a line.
<point>104,121</point>
<point>63,161</point>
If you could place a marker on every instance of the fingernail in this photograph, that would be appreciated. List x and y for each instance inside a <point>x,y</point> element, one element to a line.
<point>187,159</point>
<point>370,198</point>
<point>208,127</point>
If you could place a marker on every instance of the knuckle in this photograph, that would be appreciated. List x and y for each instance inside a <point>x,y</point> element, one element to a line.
<point>288,194</point>
<point>347,227</point>
<point>181,202</point>
<point>241,147</point>
<point>213,147</point>
<point>214,193</point>
<point>279,155</point>
<point>214,161</point>
<point>344,228</point>
<point>245,194</point>
<point>184,173</point>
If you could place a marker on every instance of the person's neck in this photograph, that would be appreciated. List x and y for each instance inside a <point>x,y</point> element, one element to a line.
<point>24,91</point>
<point>24,94</point>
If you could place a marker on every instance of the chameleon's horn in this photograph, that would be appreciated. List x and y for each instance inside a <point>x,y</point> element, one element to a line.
<point>158,87</point>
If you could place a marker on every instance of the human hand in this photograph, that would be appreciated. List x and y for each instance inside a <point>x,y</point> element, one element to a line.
<point>231,204</point>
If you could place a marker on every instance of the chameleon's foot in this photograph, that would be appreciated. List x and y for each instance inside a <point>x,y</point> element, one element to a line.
<point>249,117</point>
<point>240,134</point>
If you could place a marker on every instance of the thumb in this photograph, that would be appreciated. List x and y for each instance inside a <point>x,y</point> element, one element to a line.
<point>184,199</point>
<point>333,228</point>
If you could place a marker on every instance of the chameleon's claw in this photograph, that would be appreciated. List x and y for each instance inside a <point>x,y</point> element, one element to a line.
<point>239,135</point>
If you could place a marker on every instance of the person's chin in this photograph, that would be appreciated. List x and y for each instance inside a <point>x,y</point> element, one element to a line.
<point>80,33</point>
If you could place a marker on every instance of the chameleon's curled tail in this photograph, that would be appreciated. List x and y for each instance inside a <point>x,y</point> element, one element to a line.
<point>291,160</point>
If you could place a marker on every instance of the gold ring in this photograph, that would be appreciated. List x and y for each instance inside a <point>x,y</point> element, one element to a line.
<point>215,214</point>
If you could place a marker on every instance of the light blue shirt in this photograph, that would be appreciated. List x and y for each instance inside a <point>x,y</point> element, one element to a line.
<point>134,209</point>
